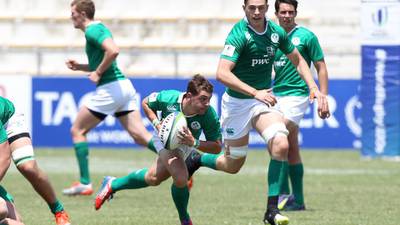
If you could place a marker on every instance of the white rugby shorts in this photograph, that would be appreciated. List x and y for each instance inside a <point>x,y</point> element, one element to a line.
<point>292,107</point>
<point>237,115</point>
<point>114,97</point>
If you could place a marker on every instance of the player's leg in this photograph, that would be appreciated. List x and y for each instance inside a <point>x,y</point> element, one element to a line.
<point>133,124</point>
<point>8,212</point>
<point>128,114</point>
<point>85,121</point>
<point>23,157</point>
<point>174,163</point>
<point>273,130</point>
<point>236,115</point>
<point>135,180</point>
<point>293,108</point>
<point>181,196</point>
<point>296,169</point>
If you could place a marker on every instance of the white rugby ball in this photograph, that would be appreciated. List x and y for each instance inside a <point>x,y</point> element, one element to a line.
<point>170,128</point>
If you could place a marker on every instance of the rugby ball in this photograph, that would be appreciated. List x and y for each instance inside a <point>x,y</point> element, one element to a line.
<point>170,128</point>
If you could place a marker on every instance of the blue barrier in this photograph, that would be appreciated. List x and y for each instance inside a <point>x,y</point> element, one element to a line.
<point>55,102</point>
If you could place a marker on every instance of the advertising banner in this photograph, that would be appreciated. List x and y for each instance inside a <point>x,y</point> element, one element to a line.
<point>56,102</point>
<point>380,84</point>
<point>18,90</point>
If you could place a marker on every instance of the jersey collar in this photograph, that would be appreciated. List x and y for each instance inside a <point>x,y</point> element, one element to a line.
<point>266,26</point>
<point>93,22</point>
<point>294,28</point>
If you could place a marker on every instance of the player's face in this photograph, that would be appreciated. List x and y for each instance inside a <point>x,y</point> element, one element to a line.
<point>201,102</point>
<point>78,18</point>
<point>286,15</point>
<point>255,12</point>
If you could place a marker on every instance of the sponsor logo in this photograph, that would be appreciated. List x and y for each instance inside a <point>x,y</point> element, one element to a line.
<point>379,108</point>
<point>380,17</point>
<point>230,131</point>
<point>275,38</point>
<point>195,125</point>
<point>281,62</point>
<point>228,50</point>
<point>271,51</point>
<point>263,61</point>
<point>172,108</point>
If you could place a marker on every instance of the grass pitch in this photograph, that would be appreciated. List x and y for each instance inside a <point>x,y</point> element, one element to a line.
<point>340,189</point>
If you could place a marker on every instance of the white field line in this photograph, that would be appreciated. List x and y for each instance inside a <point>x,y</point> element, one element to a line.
<point>112,166</point>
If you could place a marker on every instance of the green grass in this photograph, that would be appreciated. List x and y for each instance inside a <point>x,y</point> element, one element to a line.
<point>340,189</point>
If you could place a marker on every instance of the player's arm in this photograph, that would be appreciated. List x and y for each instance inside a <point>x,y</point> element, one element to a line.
<point>213,147</point>
<point>5,154</point>
<point>322,72</point>
<point>208,146</point>
<point>225,76</point>
<point>74,65</point>
<point>148,111</point>
<point>305,73</point>
<point>111,52</point>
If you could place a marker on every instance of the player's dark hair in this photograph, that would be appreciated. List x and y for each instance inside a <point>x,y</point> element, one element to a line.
<point>290,2</point>
<point>86,6</point>
<point>199,83</point>
<point>245,2</point>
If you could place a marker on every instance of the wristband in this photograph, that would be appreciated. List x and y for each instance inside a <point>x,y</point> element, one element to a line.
<point>196,144</point>
<point>313,89</point>
<point>155,122</point>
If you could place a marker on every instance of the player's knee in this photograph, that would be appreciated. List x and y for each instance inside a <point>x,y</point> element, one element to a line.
<point>77,131</point>
<point>280,146</point>
<point>74,131</point>
<point>180,182</point>
<point>152,180</point>
<point>28,168</point>
<point>236,153</point>
<point>275,131</point>
<point>232,170</point>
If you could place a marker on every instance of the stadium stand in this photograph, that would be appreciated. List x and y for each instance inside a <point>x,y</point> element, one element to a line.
<point>180,38</point>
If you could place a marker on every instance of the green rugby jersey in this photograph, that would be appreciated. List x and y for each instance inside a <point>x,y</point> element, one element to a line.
<point>95,34</point>
<point>253,53</point>
<point>6,111</point>
<point>287,80</point>
<point>169,101</point>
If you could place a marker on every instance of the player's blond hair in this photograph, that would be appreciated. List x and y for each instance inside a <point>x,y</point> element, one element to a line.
<point>86,6</point>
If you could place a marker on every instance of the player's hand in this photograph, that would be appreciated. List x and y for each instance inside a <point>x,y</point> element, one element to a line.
<point>266,96</point>
<point>186,137</point>
<point>72,64</point>
<point>323,107</point>
<point>158,127</point>
<point>94,77</point>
